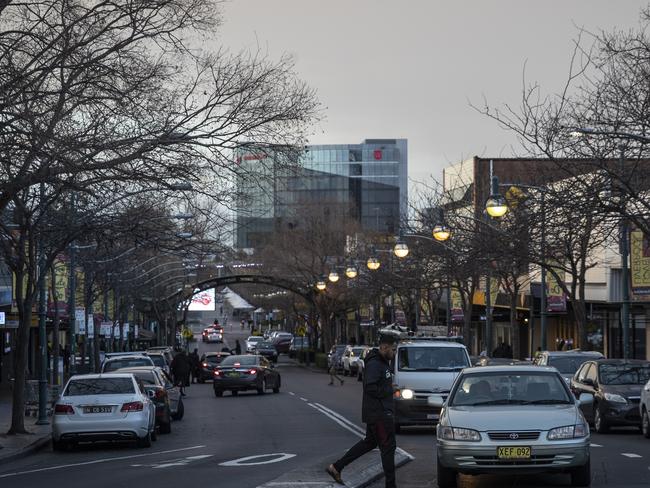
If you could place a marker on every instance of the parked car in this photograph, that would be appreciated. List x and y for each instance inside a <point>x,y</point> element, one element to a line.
<point>335,356</point>
<point>162,391</point>
<point>282,342</point>
<point>566,362</point>
<point>298,343</point>
<point>616,385</point>
<point>160,360</point>
<point>266,349</point>
<point>350,359</point>
<point>423,368</point>
<point>121,362</point>
<point>209,361</point>
<point>251,341</point>
<point>644,409</point>
<point>248,372</point>
<point>511,419</point>
<point>166,351</point>
<point>361,363</point>
<point>112,406</point>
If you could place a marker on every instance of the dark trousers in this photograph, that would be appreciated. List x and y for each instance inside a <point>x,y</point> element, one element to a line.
<point>380,433</point>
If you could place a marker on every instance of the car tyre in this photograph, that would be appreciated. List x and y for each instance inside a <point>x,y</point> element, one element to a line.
<point>276,389</point>
<point>581,476</point>
<point>60,445</point>
<point>154,434</point>
<point>218,393</point>
<point>144,441</point>
<point>262,389</point>
<point>234,393</point>
<point>166,427</point>
<point>599,421</point>
<point>180,411</point>
<point>645,424</point>
<point>446,476</point>
<point>359,376</point>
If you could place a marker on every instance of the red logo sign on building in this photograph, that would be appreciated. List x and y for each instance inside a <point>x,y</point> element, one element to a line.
<point>377,154</point>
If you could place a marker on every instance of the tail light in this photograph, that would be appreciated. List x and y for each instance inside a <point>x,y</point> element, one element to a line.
<point>132,407</point>
<point>205,365</point>
<point>61,409</point>
<point>253,371</point>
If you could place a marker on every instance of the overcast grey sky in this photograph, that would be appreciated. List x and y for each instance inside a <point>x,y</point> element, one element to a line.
<point>409,68</point>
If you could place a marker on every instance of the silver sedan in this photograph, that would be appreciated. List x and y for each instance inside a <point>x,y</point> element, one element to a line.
<point>511,420</point>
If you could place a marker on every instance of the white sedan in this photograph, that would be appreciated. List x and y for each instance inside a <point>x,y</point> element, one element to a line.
<point>112,406</point>
<point>252,341</point>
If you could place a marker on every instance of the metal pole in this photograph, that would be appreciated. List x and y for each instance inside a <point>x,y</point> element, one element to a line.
<point>542,311</point>
<point>42,333</point>
<point>488,313</point>
<point>625,305</point>
<point>71,300</point>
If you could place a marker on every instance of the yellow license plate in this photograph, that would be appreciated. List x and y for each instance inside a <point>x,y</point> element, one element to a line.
<point>513,452</point>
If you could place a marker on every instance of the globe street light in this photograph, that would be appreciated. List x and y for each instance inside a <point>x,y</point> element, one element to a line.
<point>373,263</point>
<point>333,276</point>
<point>496,206</point>
<point>321,285</point>
<point>351,272</point>
<point>401,250</point>
<point>441,231</point>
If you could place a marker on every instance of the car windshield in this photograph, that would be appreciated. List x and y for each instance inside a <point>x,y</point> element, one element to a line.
<point>432,359</point>
<point>158,360</point>
<point>357,351</point>
<point>242,360</point>
<point>214,359</point>
<point>624,374</point>
<point>255,339</point>
<point>510,388</point>
<point>126,363</point>
<point>338,350</point>
<point>568,364</point>
<point>264,345</point>
<point>99,386</point>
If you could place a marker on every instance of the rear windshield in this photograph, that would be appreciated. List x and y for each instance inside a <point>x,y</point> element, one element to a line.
<point>432,359</point>
<point>624,374</point>
<point>158,360</point>
<point>568,364</point>
<point>243,360</point>
<point>99,386</point>
<point>214,359</point>
<point>147,377</point>
<point>126,363</point>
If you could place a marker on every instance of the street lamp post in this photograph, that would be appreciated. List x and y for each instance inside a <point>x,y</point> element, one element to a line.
<point>42,333</point>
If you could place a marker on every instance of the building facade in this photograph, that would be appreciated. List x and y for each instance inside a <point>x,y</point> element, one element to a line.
<point>365,182</point>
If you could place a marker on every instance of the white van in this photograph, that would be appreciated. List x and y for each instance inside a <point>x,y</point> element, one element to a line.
<point>422,368</point>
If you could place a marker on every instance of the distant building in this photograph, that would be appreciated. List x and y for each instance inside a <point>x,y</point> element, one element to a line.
<point>367,182</point>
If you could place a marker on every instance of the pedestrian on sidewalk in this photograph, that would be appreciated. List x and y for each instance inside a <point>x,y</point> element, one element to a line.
<point>377,412</point>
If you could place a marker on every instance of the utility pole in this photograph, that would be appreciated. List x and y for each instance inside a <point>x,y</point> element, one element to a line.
<point>42,313</point>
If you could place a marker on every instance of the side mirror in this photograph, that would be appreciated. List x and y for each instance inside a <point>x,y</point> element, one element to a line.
<point>435,401</point>
<point>585,399</point>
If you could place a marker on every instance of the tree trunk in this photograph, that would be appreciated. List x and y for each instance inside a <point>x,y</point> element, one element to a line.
<point>514,323</point>
<point>20,361</point>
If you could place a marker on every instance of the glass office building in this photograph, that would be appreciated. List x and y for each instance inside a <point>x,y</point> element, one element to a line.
<point>367,182</point>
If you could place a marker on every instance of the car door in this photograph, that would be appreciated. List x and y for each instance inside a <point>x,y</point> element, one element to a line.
<point>269,376</point>
<point>173,392</point>
<point>585,382</point>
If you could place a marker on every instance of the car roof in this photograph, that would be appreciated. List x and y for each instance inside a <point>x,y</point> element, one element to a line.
<point>96,376</point>
<point>574,352</point>
<point>216,353</point>
<point>510,369</point>
<point>127,356</point>
<point>429,343</point>
<point>139,368</point>
<point>622,361</point>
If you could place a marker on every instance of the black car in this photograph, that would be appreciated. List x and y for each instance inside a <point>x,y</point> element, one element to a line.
<point>266,349</point>
<point>249,372</point>
<point>209,361</point>
<point>282,341</point>
<point>616,385</point>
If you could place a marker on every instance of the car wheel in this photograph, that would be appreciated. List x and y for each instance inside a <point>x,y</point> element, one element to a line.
<point>59,445</point>
<point>276,389</point>
<point>218,393</point>
<point>645,424</point>
<point>234,393</point>
<point>359,376</point>
<point>145,441</point>
<point>262,389</point>
<point>599,421</point>
<point>180,411</point>
<point>166,427</point>
<point>446,476</point>
<point>581,476</point>
<point>154,434</point>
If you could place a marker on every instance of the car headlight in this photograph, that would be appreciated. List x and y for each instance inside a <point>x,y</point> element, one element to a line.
<point>614,398</point>
<point>458,434</point>
<point>406,394</point>
<point>568,432</point>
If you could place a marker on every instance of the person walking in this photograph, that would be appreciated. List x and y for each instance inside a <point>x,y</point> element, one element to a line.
<point>237,347</point>
<point>332,372</point>
<point>377,412</point>
<point>195,365</point>
<point>181,370</point>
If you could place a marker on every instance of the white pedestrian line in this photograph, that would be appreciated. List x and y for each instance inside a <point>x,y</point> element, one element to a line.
<point>630,455</point>
<point>292,393</point>
<point>354,429</point>
<point>304,399</point>
<point>276,457</point>
<point>595,445</point>
<point>180,462</point>
<point>97,461</point>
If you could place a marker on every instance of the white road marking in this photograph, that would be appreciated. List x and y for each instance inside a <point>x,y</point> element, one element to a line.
<point>292,393</point>
<point>341,418</point>
<point>354,429</point>
<point>97,461</point>
<point>304,399</point>
<point>180,462</point>
<point>298,483</point>
<point>630,455</point>
<point>246,461</point>
<point>595,445</point>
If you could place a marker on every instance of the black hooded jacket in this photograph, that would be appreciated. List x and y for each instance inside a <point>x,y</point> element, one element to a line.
<point>377,403</point>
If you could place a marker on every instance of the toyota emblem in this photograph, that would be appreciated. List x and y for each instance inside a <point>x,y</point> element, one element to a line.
<point>514,436</point>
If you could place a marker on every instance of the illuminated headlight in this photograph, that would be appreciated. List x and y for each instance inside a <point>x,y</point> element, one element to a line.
<point>407,394</point>
<point>613,397</point>
<point>568,432</point>
<point>458,434</point>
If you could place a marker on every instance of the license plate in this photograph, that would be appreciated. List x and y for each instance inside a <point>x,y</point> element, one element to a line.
<point>233,374</point>
<point>98,409</point>
<point>513,452</point>
<point>432,416</point>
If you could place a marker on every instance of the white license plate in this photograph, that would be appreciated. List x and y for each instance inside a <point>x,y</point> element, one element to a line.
<point>98,409</point>
<point>432,416</point>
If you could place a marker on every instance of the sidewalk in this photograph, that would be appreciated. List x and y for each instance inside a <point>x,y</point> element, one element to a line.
<point>16,446</point>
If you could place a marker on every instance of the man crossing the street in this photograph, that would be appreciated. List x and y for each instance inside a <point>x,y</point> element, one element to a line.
<point>377,412</point>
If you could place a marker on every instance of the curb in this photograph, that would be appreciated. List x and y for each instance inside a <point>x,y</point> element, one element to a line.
<point>39,443</point>
<point>359,474</point>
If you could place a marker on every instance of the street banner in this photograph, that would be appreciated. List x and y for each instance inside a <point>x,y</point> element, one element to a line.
<point>640,264</point>
<point>80,321</point>
<point>555,297</point>
<point>105,328</point>
<point>136,331</point>
<point>90,326</point>
<point>125,331</point>
<point>59,290</point>
<point>456,311</point>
